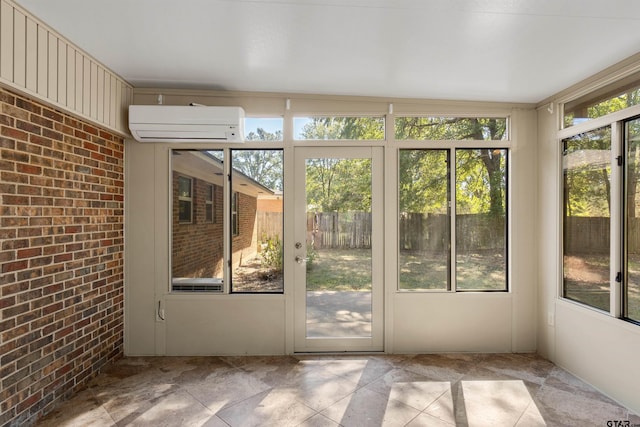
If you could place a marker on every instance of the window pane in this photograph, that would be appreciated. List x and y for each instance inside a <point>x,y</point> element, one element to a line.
<point>257,220</point>
<point>184,186</point>
<point>632,290</point>
<point>196,246</point>
<point>336,128</point>
<point>450,128</point>
<point>615,97</point>
<point>424,220</point>
<point>586,225</point>
<point>481,206</point>
<point>263,129</point>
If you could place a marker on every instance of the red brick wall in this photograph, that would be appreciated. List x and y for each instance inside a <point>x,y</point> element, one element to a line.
<point>61,260</point>
<point>245,244</point>
<point>197,247</point>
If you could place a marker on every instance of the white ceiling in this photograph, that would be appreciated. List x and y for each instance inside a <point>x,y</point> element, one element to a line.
<point>491,50</point>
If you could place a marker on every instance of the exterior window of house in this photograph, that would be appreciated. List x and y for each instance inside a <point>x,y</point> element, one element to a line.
<point>609,99</point>
<point>257,220</point>
<point>208,204</point>
<point>239,250</point>
<point>631,294</point>
<point>586,161</point>
<point>481,219</point>
<point>263,128</point>
<point>600,203</point>
<point>451,128</point>
<point>185,192</point>
<point>197,250</point>
<point>426,227</point>
<point>425,220</point>
<point>453,203</point>
<point>339,128</point>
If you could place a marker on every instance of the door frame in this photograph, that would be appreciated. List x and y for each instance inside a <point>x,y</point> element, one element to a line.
<point>352,344</point>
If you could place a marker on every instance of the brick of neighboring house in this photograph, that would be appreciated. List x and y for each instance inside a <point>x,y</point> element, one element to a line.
<point>197,246</point>
<point>61,259</point>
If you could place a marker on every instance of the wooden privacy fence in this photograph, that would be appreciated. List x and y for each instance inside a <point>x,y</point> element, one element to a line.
<point>592,235</point>
<point>339,230</point>
<point>417,232</point>
<point>268,225</point>
<point>420,232</point>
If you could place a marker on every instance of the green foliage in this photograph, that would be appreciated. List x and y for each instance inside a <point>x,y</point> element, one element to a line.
<point>272,253</point>
<point>263,166</point>
<point>587,172</point>
<point>602,107</point>
<point>350,128</point>
<point>311,256</point>
<point>481,181</point>
<point>262,135</point>
<point>424,177</point>
<point>339,185</point>
<point>456,128</point>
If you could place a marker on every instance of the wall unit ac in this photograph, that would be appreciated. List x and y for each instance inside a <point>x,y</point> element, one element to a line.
<point>174,123</point>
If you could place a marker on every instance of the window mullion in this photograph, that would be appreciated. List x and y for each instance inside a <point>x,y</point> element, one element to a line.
<point>226,218</point>
<point>452,219</point>
<point>617,215</point>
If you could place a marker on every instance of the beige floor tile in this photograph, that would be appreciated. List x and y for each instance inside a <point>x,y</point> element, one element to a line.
<point>221,391</point>
<point>270,408</point>
<point>410,388</point>
<point>319,420</point>
<point>332,390</point>
<point>81,410</point>
<point>495,402</point>
<point>368,408</point>
<point>426,420</point>
<point>176,409</point>
<point>317,388</point>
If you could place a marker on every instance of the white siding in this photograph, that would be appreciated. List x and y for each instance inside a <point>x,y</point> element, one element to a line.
<point>40,63</point>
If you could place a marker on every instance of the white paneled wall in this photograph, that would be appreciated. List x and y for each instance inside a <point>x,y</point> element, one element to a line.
<point>37,61</point>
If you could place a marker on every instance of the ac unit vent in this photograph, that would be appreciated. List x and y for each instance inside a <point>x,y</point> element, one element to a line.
<point>175,123</point>
<point>185,284</point>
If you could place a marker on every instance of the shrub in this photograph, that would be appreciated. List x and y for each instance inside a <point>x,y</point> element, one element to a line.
<point>272,253</point>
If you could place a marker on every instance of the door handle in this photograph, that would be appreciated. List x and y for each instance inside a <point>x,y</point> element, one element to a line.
<point>300,260</point>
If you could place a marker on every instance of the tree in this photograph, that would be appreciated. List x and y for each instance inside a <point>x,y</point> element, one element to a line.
<point>340,185</point>
<point>263,166</point>
<point>472,180</point>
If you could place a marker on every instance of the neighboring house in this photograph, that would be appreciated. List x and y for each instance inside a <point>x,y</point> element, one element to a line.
<point>197,231</point>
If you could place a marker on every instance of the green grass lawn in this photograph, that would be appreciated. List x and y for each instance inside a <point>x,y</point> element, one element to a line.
<point>350,269</point>
<point>340,270</point>
<point>587,281</point>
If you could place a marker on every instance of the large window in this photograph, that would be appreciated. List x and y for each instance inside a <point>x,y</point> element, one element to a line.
<point>631,294</point>
<point>587,217</point>
<point>481,219</point>
<point>239,251</point>
<point>425,220</point>
<point>425,229</point>
<point>601,207</point>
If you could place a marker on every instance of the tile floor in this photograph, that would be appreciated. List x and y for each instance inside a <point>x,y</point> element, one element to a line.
<point>370,390</point>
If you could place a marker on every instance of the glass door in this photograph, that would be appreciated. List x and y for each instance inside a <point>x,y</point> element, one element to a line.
<point>338,249</point>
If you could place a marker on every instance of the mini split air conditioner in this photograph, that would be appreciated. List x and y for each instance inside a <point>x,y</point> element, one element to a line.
<point>173,123</point>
